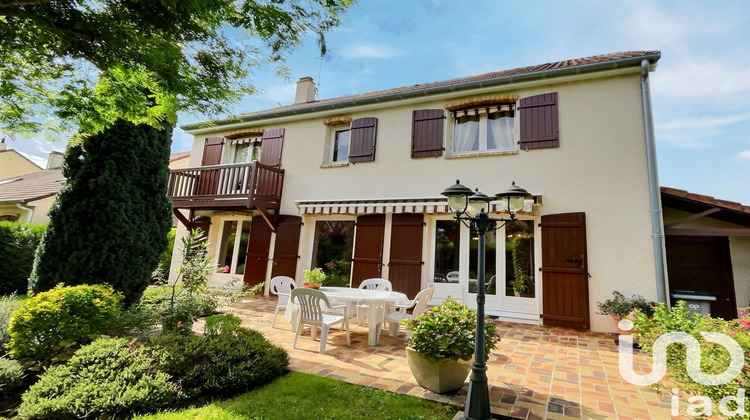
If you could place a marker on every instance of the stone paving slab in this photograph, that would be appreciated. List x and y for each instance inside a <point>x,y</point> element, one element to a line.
<point>535,373</point>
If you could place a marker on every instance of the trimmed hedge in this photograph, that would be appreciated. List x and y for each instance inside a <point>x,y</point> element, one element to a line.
<point>18,243</point>
<point>230,362</point>
<point>108,376</point>
<point>63,316</point>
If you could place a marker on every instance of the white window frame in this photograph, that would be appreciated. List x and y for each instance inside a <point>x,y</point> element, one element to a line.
<point>236,248</point>
<point>332,143</point>
<point>231,152</point>
<point>482,134</point>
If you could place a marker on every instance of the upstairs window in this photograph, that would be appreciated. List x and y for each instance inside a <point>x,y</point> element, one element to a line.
<point>247,150</point>
<point>484,129</point>
<point>340,146</point>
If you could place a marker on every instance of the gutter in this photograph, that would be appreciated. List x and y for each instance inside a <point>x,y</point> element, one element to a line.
<point>29,211</point>
<point>435,90</point>
<point>657,227</point>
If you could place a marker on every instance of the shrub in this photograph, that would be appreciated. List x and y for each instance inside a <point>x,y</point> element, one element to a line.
<point>18,243</point>
<point>221,324</point>
<point>447,332</point>
<point>106,377</point>
<point>227,362</point>
<point>714,359</point>
<point>622,306</point>
<point>110,221</point>
<point>11,374</point>
<point>8,304</point>
<point>60,317</point>
<point>161,274</point>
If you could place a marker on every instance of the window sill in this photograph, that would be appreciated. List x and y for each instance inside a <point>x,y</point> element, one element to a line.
<point>478,154</point>
<point>334,165</point>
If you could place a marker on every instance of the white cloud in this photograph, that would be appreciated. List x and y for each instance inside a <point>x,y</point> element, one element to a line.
<point>702,122</point>
<point>745,154</point>
<point>41,162</point>
<point>702,78</point>
<point>370,51</point>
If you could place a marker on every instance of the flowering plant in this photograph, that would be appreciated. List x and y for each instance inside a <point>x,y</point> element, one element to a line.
<point>315,276</point>
<point>447,332</point>
<point>623,306</point>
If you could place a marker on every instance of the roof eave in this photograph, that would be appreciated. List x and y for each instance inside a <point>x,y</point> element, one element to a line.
<point>432,90</point>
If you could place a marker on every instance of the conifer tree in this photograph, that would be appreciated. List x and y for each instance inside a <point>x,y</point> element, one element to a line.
<point>110,221</point>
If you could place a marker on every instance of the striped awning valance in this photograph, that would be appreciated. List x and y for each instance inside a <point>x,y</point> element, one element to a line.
<point>488,110</point>
<point>376,206</point>
<point>245,141</point>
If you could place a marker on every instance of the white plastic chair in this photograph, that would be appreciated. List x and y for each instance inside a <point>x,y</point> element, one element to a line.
<point>281,286</point>
<point>372,284</point>
<point>419,304</point>
<point>311,304</point>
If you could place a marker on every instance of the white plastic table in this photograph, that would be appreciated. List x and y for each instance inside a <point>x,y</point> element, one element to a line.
<point>376,300</point>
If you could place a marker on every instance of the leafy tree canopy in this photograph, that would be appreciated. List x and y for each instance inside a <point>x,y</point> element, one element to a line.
<point>89,62</point>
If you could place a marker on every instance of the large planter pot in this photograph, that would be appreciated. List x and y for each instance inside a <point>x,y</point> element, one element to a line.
<point>440,377</point>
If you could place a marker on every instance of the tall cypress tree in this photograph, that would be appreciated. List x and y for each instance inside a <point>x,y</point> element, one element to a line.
<point>110,222</point>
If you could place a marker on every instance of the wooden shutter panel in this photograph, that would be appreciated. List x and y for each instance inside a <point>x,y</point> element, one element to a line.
<point>212,151</point>
<point>362,140</point>
<point>539,125</point>
<point>286,246</point>
<point>427,133</point>
<point>271,145</point>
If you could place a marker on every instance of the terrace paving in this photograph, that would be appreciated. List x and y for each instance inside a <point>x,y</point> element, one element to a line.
<point>535,373</point>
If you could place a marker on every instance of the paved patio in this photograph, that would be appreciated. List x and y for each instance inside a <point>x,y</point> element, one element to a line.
<point>535,373</point>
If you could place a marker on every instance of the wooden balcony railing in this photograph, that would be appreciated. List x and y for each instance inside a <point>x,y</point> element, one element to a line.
<point>239,185</point>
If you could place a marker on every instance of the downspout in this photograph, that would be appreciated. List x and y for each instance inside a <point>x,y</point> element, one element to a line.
<point>654,193</point>
<point>29,211</point>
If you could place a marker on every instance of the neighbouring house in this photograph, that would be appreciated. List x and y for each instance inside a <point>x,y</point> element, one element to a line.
<point>352,185</point>
<point>179,160</point>
<point>13,163</point>
<point>708,248</point>
<point>28,197</point>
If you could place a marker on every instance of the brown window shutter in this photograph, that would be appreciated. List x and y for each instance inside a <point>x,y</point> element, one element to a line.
<point>427,133</point>
<point>271,145</point>
<point>362,140</point>
<point>212,151</point>
<point>539,126</point>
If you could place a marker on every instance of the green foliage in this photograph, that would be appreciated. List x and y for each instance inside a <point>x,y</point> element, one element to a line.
<point>290,397</point>
<point>221,324</point>
<point>337,273</point>
<point>110,222</point>
<point>522,254</point>
<point>622,306</point>
<point>228,362</point>
<point>11,374</point>
<point>161,274</point>
<point>714,358</point>
<point>91,63</point>
<point>315,276</point>
<point>108,376</point>
<point>447,332</point>
<point>52,321</point>
<point>18,242</point>
<point>8,304</point>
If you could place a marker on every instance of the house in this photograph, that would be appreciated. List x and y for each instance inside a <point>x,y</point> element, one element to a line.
<point>179,160</point>
<point>708,248</point>
<point>352,184</point>
<point>13,163</point>
<point>28,197</point>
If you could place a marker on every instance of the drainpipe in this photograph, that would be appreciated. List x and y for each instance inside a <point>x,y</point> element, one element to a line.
<point>29,211</point>
<point>654,193</point>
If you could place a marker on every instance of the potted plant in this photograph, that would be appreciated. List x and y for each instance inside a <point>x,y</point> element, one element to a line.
<point>441,345</point>
<point>314,278</point>
<point>620,306</point>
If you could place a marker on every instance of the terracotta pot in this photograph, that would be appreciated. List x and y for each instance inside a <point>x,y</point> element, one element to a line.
<point>311,285</point>
<point>523,294</point>
<point>440,377</point>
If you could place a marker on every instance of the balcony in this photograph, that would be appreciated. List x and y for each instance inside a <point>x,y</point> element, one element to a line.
<point>243,185</point>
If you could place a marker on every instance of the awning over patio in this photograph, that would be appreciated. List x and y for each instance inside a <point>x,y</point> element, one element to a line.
<point>427,205</point>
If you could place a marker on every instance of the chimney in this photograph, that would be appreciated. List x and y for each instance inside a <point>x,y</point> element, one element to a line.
<point>305,90</point>
<point>3,146</point>
<point>55,160</point>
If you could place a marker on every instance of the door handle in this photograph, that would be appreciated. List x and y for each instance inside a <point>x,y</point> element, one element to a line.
<point>574,260</point>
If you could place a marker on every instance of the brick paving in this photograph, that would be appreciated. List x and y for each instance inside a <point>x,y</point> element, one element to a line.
<point>535,373</point>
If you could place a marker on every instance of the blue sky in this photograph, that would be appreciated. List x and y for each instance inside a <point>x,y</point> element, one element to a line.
<point>700,90</point>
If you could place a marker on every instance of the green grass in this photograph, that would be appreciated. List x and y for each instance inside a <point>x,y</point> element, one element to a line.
<point>303,396</point>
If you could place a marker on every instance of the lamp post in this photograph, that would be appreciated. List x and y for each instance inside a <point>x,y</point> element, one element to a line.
<point>472,206</point>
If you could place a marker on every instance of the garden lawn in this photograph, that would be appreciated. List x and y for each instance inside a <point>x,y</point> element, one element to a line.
<point>304,396</point>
